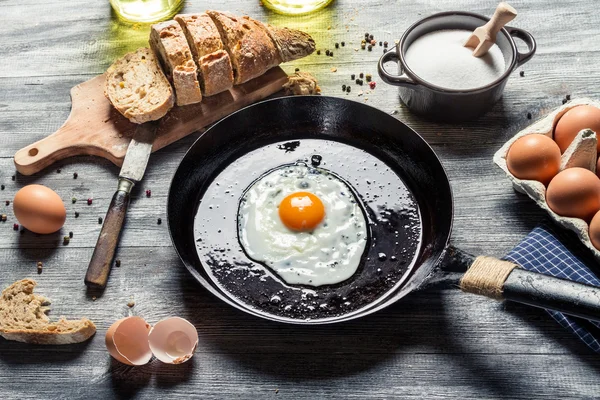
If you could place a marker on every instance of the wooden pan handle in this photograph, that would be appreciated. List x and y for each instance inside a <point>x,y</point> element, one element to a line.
<point>101,262</point>
<point>504,280</point>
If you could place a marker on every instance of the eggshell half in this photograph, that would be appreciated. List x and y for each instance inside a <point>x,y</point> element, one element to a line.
<point>127,341</point>
<point>173,340</point>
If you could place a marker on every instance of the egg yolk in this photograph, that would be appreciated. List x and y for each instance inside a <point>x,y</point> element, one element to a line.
<point>301,211</point>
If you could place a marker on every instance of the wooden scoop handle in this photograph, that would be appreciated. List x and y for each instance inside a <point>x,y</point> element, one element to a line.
<point>504,14</point>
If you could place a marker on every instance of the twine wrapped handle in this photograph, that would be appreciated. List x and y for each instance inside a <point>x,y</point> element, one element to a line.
<point>504,280</point>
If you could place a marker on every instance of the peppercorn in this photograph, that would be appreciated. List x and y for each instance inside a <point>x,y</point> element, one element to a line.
<point>363,46</point>
<point>73,200</point>
<point>131,304</point>
<point>297,70</point>
<point>381,43</point>
<point>15,227</point>
<point>326,52</point>
<point>385,44</point>
<point>39,268</point>
<point>337,45</point>
<point>568,97</point>
<point>70,234</point>
<point>367,35</point>
<point>331,54</point>
<point>343,44</point>
<point>370,37</point>
<point>13,177</point>
<point>528,115</point>
<point>372,85</point>
<point>370,48</point>
<point>66,240</point>
<point>2,187</point>
<point>58,171</point>
<point>3,217</point>
<point>7,202</point>
<point>363,42</point>
<point>343,87</point>
<point>369,77</point>
<point>353,76</point>
<point>357,81</point>
<point>149,192</point>
<point>385,51</point>
<point>522,73</point>
<point>318,52</point>
<point>159,221</point>
<point>75,175</point>
<point>564,101</point>
<point>117,263</point>
<point>361,75</point>
<point>76,214</point>
<point>99,220</point>
<point>348,88</point>
<point>89,202</point>
<point>373,42</point>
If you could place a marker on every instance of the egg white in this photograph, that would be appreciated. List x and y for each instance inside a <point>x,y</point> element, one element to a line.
<point>329,254</point>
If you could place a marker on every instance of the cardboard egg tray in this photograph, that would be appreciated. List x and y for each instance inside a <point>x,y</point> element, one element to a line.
<point>581,153</point>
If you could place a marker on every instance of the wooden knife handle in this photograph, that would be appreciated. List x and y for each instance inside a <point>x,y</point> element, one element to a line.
<point>101,262</point>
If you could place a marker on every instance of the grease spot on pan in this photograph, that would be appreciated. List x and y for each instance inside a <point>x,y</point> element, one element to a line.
<point>392,213</point>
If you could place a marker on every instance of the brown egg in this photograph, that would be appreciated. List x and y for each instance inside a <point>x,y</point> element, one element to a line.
<point>575,120</point>
<point>598,167</point>
<point>574,192</point>
<point>594,230</point>
<point>39,209</point>
<point>535,157</point>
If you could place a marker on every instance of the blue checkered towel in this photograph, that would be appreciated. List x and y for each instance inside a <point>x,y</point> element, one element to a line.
<point>549,252</point>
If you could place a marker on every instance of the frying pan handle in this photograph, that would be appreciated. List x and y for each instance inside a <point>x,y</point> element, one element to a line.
<point>503,280</point>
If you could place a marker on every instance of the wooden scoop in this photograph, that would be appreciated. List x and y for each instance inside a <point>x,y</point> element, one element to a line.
<point>484,37</point>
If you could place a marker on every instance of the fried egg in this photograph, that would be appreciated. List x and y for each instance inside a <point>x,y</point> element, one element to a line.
<point>304,223</point>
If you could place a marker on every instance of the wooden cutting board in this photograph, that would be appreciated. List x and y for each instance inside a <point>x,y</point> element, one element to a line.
<point>94,127</point>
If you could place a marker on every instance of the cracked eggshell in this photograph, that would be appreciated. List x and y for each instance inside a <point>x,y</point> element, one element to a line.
<point>582,153</point>
<point>173,340</point>
<point>127,341</point>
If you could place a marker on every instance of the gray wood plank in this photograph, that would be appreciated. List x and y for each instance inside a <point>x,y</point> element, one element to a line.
<point>436,343</point>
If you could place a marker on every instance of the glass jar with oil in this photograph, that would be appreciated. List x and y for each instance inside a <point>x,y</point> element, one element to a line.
<point>295,7</point>
<point>146,10</point>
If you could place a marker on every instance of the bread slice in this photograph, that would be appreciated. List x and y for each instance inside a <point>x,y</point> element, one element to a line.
<point>23,318</point>
<point>216,73</point>
<point>168,42</point>
<point>250,48</point>
<point>137,87</point>
<point>291,43</point>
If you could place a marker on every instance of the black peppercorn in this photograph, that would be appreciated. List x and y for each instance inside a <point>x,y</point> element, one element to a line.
<point>13,177</point>
<point>370,37</point>
<point>331,54</point>
<point>381,43</point>
<point>326,52</point>
<point>564,101</point>
<point>366,35</point>
<point>337,45</point>
<point>528,115</point>
<point>357,81</point>
<point>117,263</point>
<point>70,234</point>
<point>297,70</point>
<point>76,214</point>
<point>353,76</point>
<point>343,87</point>
<point>343,44</point>
<point>8,202</point>
<point>348,88</point>
<point>361,75</point>
<point>568,97</point>
<point>2,187</point>
<point>75,175</point>
<point>318,52</point>
<point>99,220</point>
<point>58,171</point>
<point>522,73</point>
<point>369,47</point>
<point>159,221</point>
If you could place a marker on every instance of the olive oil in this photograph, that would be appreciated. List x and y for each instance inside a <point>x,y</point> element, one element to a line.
<point>146,10</point>
<point>295,7</point>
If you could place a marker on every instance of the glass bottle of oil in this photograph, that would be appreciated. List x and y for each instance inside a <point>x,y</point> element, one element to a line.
<point>295,7</point>
<point>146,10</point>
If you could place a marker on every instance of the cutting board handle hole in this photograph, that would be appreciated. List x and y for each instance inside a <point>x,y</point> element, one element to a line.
<point>33,152</point>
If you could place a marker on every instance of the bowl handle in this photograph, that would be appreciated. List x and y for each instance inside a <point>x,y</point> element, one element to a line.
<point>525,36</point>
<point>397,80</point>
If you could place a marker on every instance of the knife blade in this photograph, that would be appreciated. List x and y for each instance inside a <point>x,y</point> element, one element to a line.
<point>132,172</point>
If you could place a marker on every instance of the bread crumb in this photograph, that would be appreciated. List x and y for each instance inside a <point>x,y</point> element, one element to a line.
<point>121,84</point>
<point>131,304</point>
<point>301,83</point>
<point>334,69</point>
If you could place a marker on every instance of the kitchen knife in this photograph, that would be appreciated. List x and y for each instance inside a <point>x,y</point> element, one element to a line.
<point>132,172</point>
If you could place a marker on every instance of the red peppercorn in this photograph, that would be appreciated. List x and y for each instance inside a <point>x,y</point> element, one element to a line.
<point>16,227</point>
<point>89,202</point>
<point>148,193</point>
<point>372,84</point>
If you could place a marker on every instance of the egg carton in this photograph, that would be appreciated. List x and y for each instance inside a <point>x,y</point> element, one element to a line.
<point>581,153</point>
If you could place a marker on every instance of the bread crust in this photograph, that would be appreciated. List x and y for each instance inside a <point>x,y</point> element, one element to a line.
<point>214,65</point>
<point>291,43</point>
<point>250,48</point>
<point>21,309</point>
<point>170,45</point>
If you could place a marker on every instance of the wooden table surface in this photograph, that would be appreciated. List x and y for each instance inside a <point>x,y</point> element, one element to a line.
<point>437,343</point>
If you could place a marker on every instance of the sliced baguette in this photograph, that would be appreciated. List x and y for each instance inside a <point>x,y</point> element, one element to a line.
<point>291,43</point>
<point>216,73</point>
<point>250,48</point>
<point>137,87</point>
<point>23,318</point>
<point>168,42</point>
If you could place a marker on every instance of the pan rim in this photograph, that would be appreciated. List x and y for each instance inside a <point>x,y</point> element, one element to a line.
<point>392,297</point>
